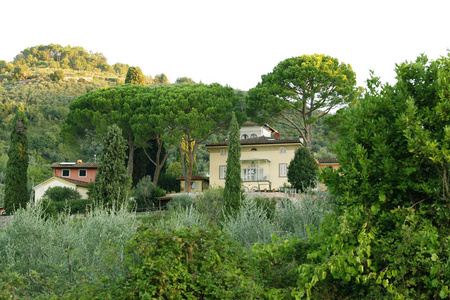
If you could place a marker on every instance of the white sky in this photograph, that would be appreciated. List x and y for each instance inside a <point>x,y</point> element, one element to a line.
<point>232,42</point>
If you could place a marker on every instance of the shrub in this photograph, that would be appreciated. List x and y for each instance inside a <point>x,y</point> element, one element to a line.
<point>145,194</point>
<point>55,255</point>
<point>268,205</point>
<point>303,170</point>
<point>59,193</point>
<point>303,217</point>
<point>210,204</point>
<point>184,217</point>
<point>250,225</point>
<point>185,263</point>
<point>180,202</point>
<point>74,206</point>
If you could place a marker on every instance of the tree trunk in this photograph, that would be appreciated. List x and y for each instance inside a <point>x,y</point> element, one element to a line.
<point>131,148</point>
<point>159,164</point>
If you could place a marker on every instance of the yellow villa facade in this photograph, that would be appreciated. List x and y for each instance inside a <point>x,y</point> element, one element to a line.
<point>264,163</point>
<point>265,158</point>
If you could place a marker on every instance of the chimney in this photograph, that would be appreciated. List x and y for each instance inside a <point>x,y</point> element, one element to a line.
<point>79,161</point>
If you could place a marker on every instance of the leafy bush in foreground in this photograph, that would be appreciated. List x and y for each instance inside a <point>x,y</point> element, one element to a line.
<point>186,263</point>
<point>53,256</point>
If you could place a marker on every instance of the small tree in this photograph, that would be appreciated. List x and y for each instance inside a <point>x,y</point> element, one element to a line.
<point>62,193</point>
<point>233,181</point>
<point>112,183</point>
<point>16,192</point>
<point>57,75</point>
<point>135,76</point>
<point>303,170</point>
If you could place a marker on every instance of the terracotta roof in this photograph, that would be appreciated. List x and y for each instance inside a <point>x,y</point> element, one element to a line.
<point>75,165</point>
<point>194,177</point>
<point>328,160</point>
<point>76,182</point>
<point>258,141</point>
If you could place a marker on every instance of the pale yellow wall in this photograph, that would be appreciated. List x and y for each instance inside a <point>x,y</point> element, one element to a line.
<point>258,130</point>
<point>199,186</point>
<point>266,156</point>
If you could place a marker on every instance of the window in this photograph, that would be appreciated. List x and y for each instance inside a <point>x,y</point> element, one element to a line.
<point>244,136</point>
<point>223,152</point>
<point>82,173</point>
<point>222,172</point>
<point>66,173</point>
<point>253,173</point>
<point>283,170</point>
<point>253,149</point>
<point>253,135</point>
<point>283,150</point>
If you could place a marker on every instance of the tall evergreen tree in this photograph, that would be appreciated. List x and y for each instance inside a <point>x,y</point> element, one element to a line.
<point>135,76</point>
<point>303,170</point>
<point>233,181</point>
<point>112,183</point>
<point>16,192</point>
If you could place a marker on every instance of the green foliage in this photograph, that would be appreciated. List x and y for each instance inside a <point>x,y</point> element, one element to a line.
<point>233,182</point>
<point>182,80</point>
<point>391,235</point>
<point>59,193</point>
<point>169,183</point>
<point>174,169</point>
<point>145,194</point>
<point>300,90</point>
<point>268,205</point>
<point>135,76</point>
<point>186,264</point>
<point>303,170</point>
<point>210,204</point>
<point>16,191</point>
<point>249,225</point>
<point>112,184</point>
<point>57,75</point>
<point>180,202</point>
<point>53,257</point>
<point>161,79</point>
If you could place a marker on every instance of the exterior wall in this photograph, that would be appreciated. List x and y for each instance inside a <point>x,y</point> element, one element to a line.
<point>199,185</point>
<point>258,130</point>
<point>90,174</point>
<point>266,157</point>
<point>40,189</point>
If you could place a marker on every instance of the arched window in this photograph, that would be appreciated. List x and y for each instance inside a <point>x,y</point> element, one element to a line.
<point>244,136</point>
<point>223,152</point>
<point>253,135</point>
<point>283,150</point>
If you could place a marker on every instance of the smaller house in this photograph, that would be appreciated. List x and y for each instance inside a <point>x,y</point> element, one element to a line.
<point>75,170</point>
<point>79,186</point>
<point>75,175</point>
<point>198,183</point>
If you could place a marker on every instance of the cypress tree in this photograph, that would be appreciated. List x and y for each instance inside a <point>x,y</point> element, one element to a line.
<point>112,183</point>
<point>303,170</point>
<point>16,192</point>
<point>233,181</point>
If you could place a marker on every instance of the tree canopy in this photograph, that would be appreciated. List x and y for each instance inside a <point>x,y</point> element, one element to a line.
<point>300,90</point>
<point>135,76</point>
<point>166,113</point>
